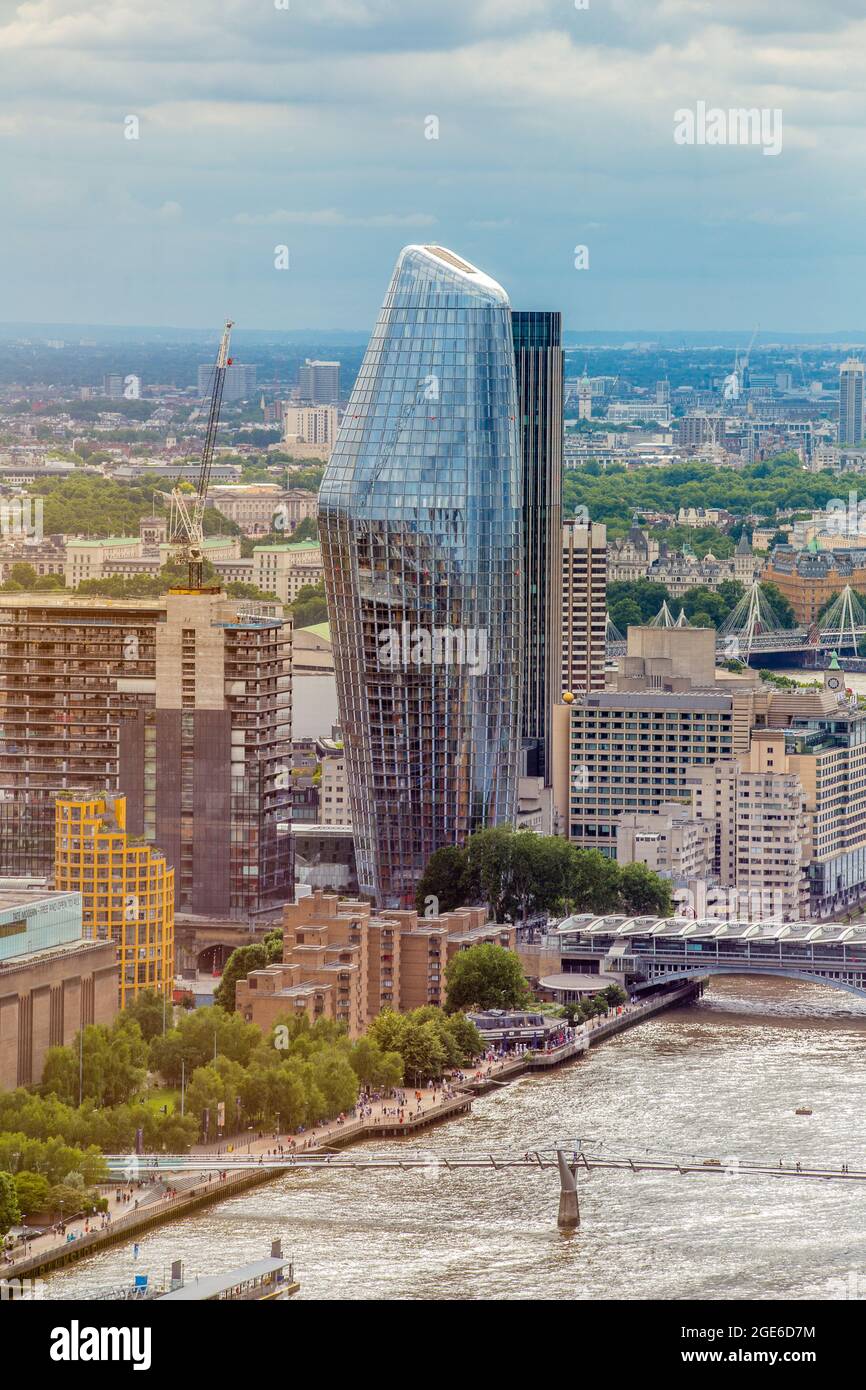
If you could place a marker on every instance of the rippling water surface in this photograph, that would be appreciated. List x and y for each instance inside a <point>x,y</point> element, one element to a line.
<point>723,1077</point>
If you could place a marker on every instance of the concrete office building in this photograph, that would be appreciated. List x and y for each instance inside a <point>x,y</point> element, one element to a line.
<point>283,569</point>
<point>671,841</point>
<point>629,748</point>
<point>756,809</point>
<point>310,424</point>
<point>239,383</point>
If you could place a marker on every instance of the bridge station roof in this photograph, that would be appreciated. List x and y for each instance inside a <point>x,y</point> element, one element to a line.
<point>710,929</point>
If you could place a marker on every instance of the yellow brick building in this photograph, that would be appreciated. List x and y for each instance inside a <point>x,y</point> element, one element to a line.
<point>126,886</point>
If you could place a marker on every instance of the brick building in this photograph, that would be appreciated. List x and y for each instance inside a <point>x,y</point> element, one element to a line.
<point>344,962</point>
<point>53,981</point>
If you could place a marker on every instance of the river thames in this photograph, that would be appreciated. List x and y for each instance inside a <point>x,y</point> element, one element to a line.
<point>723,1076</point>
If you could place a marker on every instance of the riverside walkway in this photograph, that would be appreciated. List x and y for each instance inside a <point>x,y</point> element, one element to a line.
<point>247,1161</point>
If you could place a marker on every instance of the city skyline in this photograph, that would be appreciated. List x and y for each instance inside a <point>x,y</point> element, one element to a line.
<point>170,174</point>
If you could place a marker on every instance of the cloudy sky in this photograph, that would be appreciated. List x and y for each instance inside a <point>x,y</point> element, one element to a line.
<point>304,124</point>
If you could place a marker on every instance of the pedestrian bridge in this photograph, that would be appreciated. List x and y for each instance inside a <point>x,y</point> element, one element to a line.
<point>659,950</point>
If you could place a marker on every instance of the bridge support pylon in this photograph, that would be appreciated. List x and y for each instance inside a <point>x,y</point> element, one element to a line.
<point>568,1217</point>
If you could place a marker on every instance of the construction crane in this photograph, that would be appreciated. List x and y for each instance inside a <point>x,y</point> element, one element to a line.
<point>187,510</point>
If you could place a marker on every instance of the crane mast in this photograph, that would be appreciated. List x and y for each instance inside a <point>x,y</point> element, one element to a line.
<point>187,513</point>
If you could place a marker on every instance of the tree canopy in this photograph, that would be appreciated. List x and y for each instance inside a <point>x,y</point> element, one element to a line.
<point>520,874</point>
<point>485,977</point>
<point>426,1040</point>
<point>612,495</point>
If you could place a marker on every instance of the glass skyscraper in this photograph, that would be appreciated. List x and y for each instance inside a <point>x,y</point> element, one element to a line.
<point>420,520</point>
<point>538,362</point>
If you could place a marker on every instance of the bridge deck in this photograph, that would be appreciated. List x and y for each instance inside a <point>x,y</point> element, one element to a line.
<point>535,1158</point>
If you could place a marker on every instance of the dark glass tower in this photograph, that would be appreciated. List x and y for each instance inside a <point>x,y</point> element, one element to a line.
<point>538,362</point>
<point>420,520</point>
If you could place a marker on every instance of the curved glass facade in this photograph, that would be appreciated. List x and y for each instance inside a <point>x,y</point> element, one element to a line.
<point>420,521</point>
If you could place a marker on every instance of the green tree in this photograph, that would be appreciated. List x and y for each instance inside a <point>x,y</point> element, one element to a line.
<point>485,977</point>
<point>32,1191</point>
<point>779,604</point>
<point>443,881</point>
<point>615,994</point>
<point>386,1030</point>
<point>309,606</point>
<point>306,530</point>
<point>242,960</point>
<point>424,1056</point>
<point>23,574</point>
<point>198,1038</point>
<point>373,1067</point>
<point>150,1010</point>
<point>596,883</point>
<point>68,1199</point>
<point>10,1211</point>
<point>107,1066</point>
<point>468,1041</point>
<point>643,893</point>
<point>204,1092</point>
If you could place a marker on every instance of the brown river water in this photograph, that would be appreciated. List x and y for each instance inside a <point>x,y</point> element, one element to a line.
<point>721,1077</point>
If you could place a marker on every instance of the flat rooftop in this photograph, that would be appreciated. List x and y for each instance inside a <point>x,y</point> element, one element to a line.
<point>806,932</point>
<point>11,897</point>
<point>212,1285</point>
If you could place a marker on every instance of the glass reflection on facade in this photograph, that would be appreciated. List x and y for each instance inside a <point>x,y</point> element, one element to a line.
<point>420,520</point>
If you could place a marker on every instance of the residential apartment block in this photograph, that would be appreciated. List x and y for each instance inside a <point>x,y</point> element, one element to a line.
<point>183,703</point>
<point>584,606</point>
<point>343,961</point>
<point>310,424</point>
